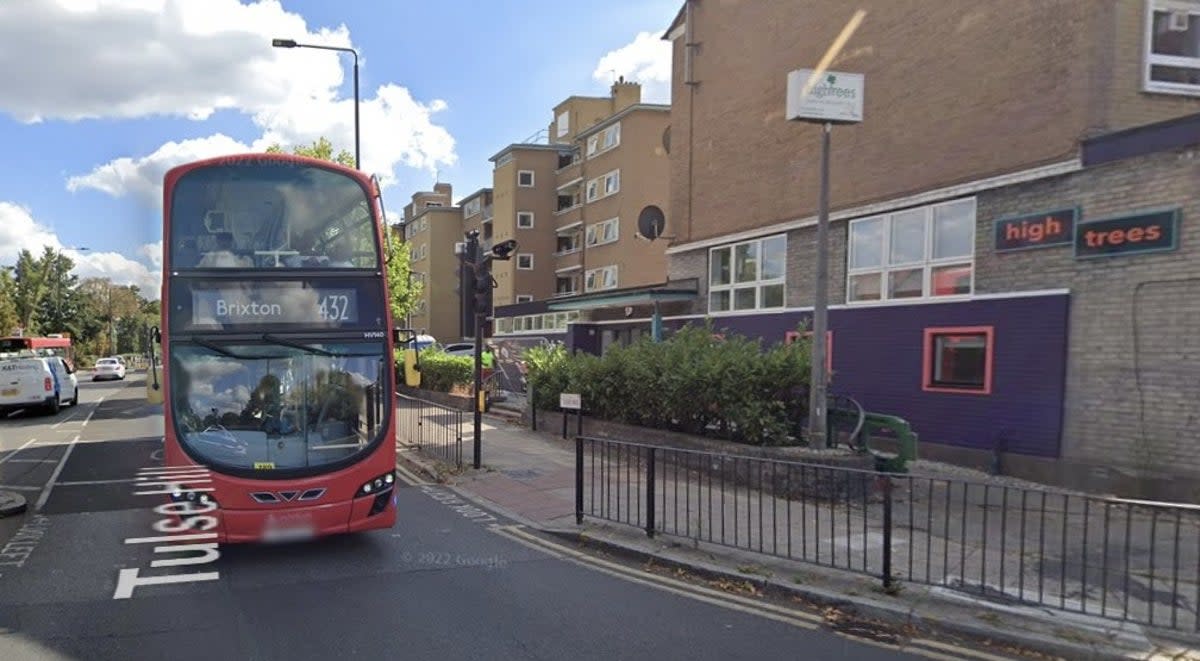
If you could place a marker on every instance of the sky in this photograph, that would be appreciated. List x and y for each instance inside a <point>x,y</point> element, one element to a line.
<point>99,98</point>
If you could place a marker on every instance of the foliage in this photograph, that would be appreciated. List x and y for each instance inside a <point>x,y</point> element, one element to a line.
<point>692,382</point>
<point>40,296</point>
<point>405,292</point>
<point>322,148</point>
<point>441,371</point>
<point>8,305</point>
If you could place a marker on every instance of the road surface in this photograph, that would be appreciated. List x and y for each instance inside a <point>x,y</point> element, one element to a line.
<point>450,581</point>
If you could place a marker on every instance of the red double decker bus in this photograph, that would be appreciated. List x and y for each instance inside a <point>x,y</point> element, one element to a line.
<point>276,343</point>
<point>51,345</point>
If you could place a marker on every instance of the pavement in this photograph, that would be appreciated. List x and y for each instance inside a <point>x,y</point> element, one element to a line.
<point>530,477</point>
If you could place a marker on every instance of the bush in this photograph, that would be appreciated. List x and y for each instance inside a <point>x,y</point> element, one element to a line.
<point>692,382</point>
<point>441,371</point>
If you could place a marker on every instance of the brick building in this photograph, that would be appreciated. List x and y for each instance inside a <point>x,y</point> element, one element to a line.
<point>1013,246</point>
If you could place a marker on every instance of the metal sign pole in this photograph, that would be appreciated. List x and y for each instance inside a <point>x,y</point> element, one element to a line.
<point>818,395</point>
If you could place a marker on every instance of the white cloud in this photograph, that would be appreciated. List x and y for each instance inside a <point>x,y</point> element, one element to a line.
<point>191,58</point>
<point>142,177</point>
<point>115,58</point>
<point>645,60</point>
<point>19,231</point>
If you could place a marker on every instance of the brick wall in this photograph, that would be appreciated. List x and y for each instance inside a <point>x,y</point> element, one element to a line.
<point>1154,297</point>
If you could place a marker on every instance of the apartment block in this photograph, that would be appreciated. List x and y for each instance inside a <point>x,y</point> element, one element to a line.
<point>573,204</point>
<point>432,225</point>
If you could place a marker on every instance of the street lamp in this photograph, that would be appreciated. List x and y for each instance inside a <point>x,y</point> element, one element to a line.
<point>291,43</point>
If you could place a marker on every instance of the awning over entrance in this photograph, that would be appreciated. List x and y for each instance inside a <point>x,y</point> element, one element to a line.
<point>677,290</point>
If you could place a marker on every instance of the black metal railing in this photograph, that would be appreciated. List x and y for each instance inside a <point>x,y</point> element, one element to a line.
<point>432,428</point>
<point>1128,560</point>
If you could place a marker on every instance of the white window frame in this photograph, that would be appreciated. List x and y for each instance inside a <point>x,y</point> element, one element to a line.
<point>612,183</point>
<point>532,179</point>
<point>928,263</point>
<point>524,298</point>
<point>473,207</point>
<point>597,232</point>
<point>606,184</point>
<point>1150,59</point>
<point>610,137</point>
<point>525,268</point>
<point>593,143</point>
<point>563,123</point>
<point>603,272</point>
<point>424,250</point>
<point>757,283</point>
<point>525,214</point>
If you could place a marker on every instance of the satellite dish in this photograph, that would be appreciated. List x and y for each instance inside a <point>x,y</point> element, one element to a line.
<point>651,222</point>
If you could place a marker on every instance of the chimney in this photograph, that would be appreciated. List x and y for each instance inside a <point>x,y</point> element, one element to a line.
<point>442,188</point>
<point>625,94</point>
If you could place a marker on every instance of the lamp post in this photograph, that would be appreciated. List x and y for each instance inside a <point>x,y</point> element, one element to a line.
<point>291,43</point>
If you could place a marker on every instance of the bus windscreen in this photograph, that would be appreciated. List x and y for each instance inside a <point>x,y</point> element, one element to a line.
<point>272,214</point>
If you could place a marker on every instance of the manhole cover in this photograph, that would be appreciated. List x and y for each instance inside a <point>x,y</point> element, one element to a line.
<point>11,503</point>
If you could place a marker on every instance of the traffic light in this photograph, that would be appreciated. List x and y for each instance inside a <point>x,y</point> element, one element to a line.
<point>483,289</point>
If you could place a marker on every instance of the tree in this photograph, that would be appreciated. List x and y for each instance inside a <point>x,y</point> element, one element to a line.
<point>404,292</point>
<point>322,149</point>
<point>58,309</point>
<point>109,304</point>
<point>8,307</point>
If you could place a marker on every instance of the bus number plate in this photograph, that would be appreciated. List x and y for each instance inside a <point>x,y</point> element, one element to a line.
<point>264,465</point>
<point>11,392</point>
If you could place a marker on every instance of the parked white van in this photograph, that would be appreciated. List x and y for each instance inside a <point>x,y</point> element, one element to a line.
<point>47,383</point>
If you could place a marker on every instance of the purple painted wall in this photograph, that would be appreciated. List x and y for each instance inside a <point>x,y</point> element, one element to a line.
<point>877,359</point>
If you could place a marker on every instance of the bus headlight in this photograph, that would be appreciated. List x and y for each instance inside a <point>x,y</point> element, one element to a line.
<point>377,484</point>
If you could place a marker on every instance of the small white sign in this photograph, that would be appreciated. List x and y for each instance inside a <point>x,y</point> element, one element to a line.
<point>835,96</point>
<point>568,400</point>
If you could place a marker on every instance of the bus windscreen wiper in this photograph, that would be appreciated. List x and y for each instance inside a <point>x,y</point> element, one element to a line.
<point>267,337</point>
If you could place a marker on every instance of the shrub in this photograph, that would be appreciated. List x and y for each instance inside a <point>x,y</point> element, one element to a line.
<point>441,371</point>
<point>692,382</point>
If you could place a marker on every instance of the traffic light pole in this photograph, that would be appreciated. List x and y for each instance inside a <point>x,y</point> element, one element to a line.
<point>482,284</point>
<point>479,394</point>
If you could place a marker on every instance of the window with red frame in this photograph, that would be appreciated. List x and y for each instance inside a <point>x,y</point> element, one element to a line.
<point>959,359</point>
<point>792,336</point>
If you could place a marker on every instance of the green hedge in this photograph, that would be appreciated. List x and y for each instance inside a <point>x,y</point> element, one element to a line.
<point>692,382</point>
<point>441,371</point>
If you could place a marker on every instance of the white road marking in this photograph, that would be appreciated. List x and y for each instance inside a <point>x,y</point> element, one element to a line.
<point>8,457</point>
<point>32,461</point>
<point>90,483</point>
<point>923,647</point>
<point>93,411</point>
<point>16,487</point>
<point>41,501</point>
<point>64,420</point>
<point>408,476</point>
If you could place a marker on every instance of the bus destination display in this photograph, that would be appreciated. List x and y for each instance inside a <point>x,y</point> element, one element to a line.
<point>272,305</point>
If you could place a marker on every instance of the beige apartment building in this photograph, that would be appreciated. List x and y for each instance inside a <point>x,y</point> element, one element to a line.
<point>1014,230</point>
<point>573,202</point>
<point>432,225</point>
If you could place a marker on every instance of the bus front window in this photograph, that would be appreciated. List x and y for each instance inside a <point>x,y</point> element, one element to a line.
<point>270,407</point>
<point>264,215</point>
